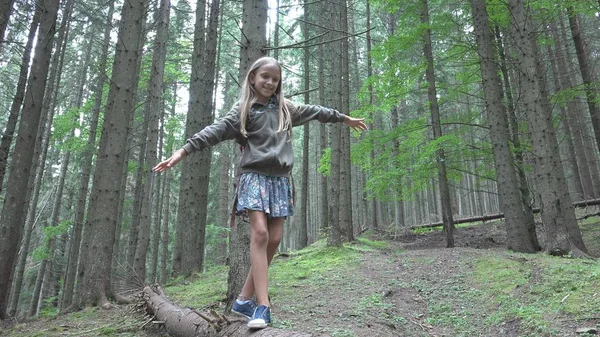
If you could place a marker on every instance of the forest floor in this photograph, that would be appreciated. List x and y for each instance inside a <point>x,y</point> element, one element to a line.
<point>384,286</point>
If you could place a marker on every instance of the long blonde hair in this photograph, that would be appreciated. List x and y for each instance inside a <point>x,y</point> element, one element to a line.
<point>248,97</point>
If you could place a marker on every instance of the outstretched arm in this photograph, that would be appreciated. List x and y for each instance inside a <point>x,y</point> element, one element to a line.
<point>356,124</point>
<point>170,162</point>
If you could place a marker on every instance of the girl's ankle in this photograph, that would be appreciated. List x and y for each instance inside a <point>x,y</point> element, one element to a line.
<point>243,298</point>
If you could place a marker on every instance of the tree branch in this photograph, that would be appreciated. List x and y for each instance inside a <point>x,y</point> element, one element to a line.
<point>301,43</point>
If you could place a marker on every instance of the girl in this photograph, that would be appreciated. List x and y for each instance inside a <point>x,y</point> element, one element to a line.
<point>262,122</point>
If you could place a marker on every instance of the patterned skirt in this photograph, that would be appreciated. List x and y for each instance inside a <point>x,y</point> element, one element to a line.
<point>271,195</point>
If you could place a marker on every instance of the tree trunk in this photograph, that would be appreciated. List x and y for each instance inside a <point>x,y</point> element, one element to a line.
<point>513,126</point>
<point>398,204</point>
<point>4,150</point>
<point>303,228</point>
<point>565,81</point>
<point>50,242</point>
<point>105,197</point>
<point>334,99</point>
<point>585,68</point>
<point>152,110</point>
<point>5,11</point>
<point>254,40</point>
<point>519,237</point>
<point>323,141</point>
<point>569,139</point>
<point>17,102</point>
<point>437,131</point>
<point>86,166</point>
<point>13,211</point>
<point>345,206</point>
<point>186,322</point>
<point>562,231</point>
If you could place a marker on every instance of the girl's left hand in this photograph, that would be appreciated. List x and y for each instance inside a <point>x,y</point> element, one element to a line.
<point>356,124</point>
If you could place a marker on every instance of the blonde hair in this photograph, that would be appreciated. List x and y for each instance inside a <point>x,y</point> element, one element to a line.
<point>248,97</point>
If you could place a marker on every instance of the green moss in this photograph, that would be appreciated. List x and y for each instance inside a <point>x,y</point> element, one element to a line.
<point>377,244</point>
<point>206,288</point>
<point>537,288</point>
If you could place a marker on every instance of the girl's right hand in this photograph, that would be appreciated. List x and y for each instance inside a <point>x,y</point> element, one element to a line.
<point>170,162</point>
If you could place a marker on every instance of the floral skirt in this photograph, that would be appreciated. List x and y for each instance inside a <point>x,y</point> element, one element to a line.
<point>271,195</point>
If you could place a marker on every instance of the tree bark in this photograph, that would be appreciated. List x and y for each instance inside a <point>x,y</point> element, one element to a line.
<point>186,322</point>
<point>515,136</point>
<point>323,141</point>
<point>303,228</point>
<point>5,11</point>
<point>519,236</point>
<point>100,228</point>
<point>17,102</point>
<point>581,114</point>
<point>4,150</point>
<point>569,138</point>
<point>86,166</point>
<point>254,40</point>
<point>562,231</point>
<point>437,130</point>
<point>564,81</point>
<point>13,211</point>
<point>334,99</point>
<point>152,111</point>
<point>586,72</point>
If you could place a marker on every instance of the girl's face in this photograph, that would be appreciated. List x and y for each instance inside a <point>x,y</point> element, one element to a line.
<point>265,81</point>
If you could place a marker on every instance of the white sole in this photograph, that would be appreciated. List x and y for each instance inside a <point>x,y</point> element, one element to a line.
<point>257,325</point>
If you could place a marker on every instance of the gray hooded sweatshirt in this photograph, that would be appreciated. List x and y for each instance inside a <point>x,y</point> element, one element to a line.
<point>266,151</point>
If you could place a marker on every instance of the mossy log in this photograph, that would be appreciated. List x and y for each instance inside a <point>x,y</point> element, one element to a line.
<point>186,322</point>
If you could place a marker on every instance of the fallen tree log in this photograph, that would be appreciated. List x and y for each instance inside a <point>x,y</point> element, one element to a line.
<point>578,204</point>
<point>186,322</point>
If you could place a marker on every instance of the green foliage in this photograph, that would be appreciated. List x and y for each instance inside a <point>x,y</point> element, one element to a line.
<point>325,163</point>
<point>397,173</point>
<point>50,232</point>
<point>55,231</point>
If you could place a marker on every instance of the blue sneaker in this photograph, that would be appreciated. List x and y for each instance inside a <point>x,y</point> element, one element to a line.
<point>243,308</point>
<point>261,317</point>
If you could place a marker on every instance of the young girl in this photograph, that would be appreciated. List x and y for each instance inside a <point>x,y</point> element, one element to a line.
<point>262,122</point>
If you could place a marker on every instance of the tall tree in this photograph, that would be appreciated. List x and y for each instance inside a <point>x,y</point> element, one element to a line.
<point>4,149</point>
<point>345,171</point>
<point>86,165</point>
<point>9,130</point>
<point>513,126</point>
<point>151,112</point>
<point>585,68</point>
<point>94,286</point>
<point>303,230</point>
<point>437,128</point>
<point>5,11</point>
<point>334,98</point>
<point>520,237</point>
<point>193,197</point>
<point>254,41</point>
<point>564,81</point>
<point>558,217</point>
<point>12,217</point>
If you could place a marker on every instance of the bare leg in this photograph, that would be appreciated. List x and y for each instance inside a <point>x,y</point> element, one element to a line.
<point>274,232</point>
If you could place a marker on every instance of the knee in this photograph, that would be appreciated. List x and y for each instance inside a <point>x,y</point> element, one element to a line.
<point>260,237</point>
<point>274,239</point>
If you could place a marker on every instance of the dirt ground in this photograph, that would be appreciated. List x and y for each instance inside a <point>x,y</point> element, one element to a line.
<point>390,293</point>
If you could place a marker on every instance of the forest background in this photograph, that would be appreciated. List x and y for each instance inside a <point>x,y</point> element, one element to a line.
<point>475,109</point>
